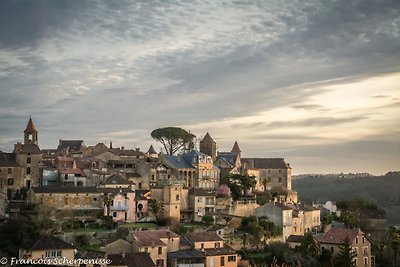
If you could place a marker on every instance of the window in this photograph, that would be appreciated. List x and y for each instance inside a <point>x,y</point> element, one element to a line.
<point>177,197</point>
<point>231,258</point>
<point>140,185</point>
<point>355,250</point>
<point>269,171</point>
<point>28,160</point>
<point>356,240</point>
<point>217,244</point>
<point>202,245</point>
<point>152,177</point>
<point>332,249</point>
<point>199,199</point>
<point>222,263</point>
<point>10,181</point>
<point>9,170</point>
<point>365,260</point>
<point>28,170</point>
<point>159,250</point>
<point>363,239</point>
<point>365,250</point>
<point>53,253</point>
<point>114,214</point>
<point>146,249</point>
<point>280,171</point>
<point>280,179</point>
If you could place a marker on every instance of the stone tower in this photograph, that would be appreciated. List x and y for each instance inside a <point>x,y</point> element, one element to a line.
<point>30,133</point>
<point>208,146</point>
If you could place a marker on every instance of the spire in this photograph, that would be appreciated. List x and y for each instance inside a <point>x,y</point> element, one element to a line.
<point>236,148</point>
<point>30,127</point>
<point>208,138</point>
<point>151,150</point>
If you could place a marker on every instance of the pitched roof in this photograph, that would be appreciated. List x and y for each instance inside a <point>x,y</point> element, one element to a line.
<point>373,214</point>
<point>64,189</point>
<point>203,237</point>
<point>265,163</point>
<point>201,192</point>
<point>27,148</point>
<point>116,179</point>
<point>151,150</point>
<point>135,259</point>
<point>8,160</point>
<point>207,138</point>
<point>339,235</point>
<point>30,127</point>
<point>126,152</point>
<point>72,145</point>
<point>176,162</point>
<point>152,237</point>
<point>295,238</point>
<point>186,254</point>
<point>225,250</point>
<point>115,191</point>
<point>47,242</point>
<point>236,148</point>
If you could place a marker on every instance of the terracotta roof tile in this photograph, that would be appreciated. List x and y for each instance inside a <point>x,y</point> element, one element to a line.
<point>338,235</point>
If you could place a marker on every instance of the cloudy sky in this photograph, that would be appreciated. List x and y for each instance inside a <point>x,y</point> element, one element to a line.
<point>316,82</point>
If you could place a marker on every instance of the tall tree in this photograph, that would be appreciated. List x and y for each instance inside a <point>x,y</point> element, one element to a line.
<point>394,243</point>
<point>346,255</point>
<point>172,138</point>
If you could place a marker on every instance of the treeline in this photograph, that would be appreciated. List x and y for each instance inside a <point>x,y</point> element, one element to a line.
<point>384,191</point>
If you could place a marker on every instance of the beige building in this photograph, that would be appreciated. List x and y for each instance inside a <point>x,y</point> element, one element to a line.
<point>81,202</point>
<point>155,242</point>
<point>201,202</point>
<point>11,174</point>
<point>47,247</point>
<point>335,237</point>
<point>217,253</point>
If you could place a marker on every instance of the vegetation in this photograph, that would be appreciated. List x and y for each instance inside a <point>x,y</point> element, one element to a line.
<point>207,219</point>
<point>240,185</point>
<point>346,255</point>
<point>172,138</point>
<point>382,191</point>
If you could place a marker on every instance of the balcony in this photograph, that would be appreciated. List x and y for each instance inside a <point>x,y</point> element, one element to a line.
<point>116,208</point>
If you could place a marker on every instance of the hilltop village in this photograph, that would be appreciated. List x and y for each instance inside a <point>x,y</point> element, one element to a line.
<point>146,208</point>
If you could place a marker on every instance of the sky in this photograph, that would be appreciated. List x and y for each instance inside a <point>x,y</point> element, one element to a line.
<point>315,82</point>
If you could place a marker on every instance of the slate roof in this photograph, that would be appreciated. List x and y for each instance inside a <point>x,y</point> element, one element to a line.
<point>225,250</point>
<point>151,150</point>
<point>228,157</point>
<point>114,191</point>
<point>265,163</point>
<point>135,259</point>
<point>126,152</point>
<point>30,127</point>
<point>64,189</point>
<point>373,214</point>
<point>203,237</point>
<point>301,207</point>
<point>236,148</point>
<point>295,238</point>
<point>46,243</point>
<point>27,148</point>
<point>201,192</point>
<point>116,179</point>
<point>186,254</point>
<point>132,175</point>
<point>8,160</point>
<point>176,162</point>
<point>207,138</point>
<point>72,145</point>
<point>338,235</point>
<point>152,237</point>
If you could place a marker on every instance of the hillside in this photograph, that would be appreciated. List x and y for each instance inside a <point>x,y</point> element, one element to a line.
<point>382,190</point>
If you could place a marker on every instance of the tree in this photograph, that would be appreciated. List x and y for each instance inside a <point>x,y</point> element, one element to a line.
<point>394,243</point>
<point>346,255</point>
<point>349,218</point>
<point>107,202</point>
<point>309,246</point>
<point>208,219</point>
<point>156,207</point>
<point>240,184</point>
<point>172,138</point>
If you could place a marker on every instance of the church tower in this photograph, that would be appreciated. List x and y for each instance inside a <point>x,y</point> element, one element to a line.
<point>30,133</point>
<point>209,147</point>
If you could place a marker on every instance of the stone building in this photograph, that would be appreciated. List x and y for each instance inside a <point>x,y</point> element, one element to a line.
<point>209,147</point>
<point>11,174</point>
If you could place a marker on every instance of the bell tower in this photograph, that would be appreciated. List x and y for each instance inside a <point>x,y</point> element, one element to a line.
<point>30,133</point>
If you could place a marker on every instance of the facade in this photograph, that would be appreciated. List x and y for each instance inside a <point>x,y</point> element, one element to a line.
<point>81,202</point>
<point>335,237</point>
<point>217,253</point>
<point>11,174</point>
<point>201,202</point>
<point>47,247</point>
<point>157,243</point>
<point>272,172</point>
<point>194,169</point>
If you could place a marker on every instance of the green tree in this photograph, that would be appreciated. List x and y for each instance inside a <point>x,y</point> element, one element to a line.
<point>345,255</point>
<point>394,243</point>
<point>207,219</point>
<point>107,202</point>
<point>240,184</point>
<point>172,138</point>
<point>309,247</point>
<point>349,218</point>
<point>156,207</point>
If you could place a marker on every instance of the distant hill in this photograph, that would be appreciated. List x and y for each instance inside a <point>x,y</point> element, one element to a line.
<point>382,190</point>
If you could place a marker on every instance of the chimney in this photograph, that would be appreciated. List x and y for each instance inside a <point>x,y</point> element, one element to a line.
<point>122,148</point>
<point>111,145</point>
<point>59,142</point>
<point>74,164</point>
